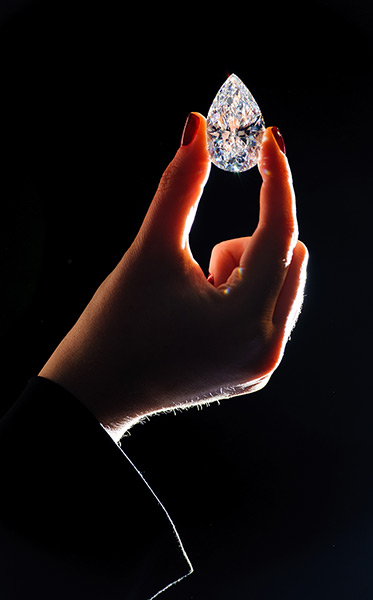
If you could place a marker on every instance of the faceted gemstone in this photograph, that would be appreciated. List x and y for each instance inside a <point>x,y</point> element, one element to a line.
<point>235,127</point>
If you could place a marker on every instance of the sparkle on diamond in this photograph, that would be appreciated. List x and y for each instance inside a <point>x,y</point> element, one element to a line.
<point>235,127</point>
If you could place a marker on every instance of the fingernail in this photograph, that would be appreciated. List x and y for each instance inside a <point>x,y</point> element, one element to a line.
<point>210,279</point>
<point>279,139</point>
<point>190,129</point>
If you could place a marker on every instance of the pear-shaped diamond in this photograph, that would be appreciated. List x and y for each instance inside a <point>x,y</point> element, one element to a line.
<point>235,127</point>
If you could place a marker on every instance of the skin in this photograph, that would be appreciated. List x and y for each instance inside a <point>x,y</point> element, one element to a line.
<point>157,335</point>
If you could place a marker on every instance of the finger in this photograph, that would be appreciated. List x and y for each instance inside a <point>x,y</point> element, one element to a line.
<point>267,257</point>
<point>172,211</point>
<point>277,219</point>
<point>290,299</point>
<point>225,257</point>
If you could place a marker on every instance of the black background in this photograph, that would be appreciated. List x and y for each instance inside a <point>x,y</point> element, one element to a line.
<point>271,493</point>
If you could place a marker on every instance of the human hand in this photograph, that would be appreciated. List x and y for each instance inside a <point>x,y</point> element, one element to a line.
<point>157,335</point>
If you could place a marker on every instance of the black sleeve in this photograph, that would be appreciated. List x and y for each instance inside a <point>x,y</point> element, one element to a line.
<point>77,518</point>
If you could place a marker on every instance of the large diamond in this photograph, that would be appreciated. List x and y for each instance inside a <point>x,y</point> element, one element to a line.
<point>235,127</point>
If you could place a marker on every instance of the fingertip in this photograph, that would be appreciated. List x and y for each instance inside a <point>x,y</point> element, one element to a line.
<point>302,251</point>
<point>191,128</point>
<point>278,139</point>
<point>193,151</point>
<point>301,255</point>
<point>272,158</point>
<point>194,130</point>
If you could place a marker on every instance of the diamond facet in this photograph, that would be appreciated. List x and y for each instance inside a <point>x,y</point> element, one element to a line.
<point>235,127</point>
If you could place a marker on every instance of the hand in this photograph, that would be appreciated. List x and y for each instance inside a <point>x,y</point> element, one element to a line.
<point>157,335</point>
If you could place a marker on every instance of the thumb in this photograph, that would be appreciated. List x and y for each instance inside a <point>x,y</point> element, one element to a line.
<point>172,211</point>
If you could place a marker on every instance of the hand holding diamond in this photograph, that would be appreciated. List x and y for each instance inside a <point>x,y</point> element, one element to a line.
<point>158,335</point>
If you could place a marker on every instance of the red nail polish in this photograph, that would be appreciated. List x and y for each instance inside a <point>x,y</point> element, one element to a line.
<point>190,129</point>
<point>279,139</point>
<point>210,279</point>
